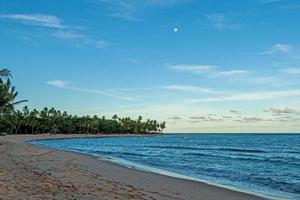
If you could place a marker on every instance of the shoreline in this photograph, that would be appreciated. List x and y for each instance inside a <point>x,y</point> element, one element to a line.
<point>132,183</point>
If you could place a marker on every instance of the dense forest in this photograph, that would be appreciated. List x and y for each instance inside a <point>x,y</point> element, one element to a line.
<point>25,121</point>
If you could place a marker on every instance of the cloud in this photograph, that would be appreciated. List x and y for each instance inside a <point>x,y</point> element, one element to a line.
<point>54,27</point>
<point>58,83</point>
<point>67,34</point>
<point>175,118</point>
<point>236,112</point>
<point>278,49</point>
<point>278,111</point>
<point>250,120</point>
<point>196,69</point>
<point>125,16</point>
<point>198,117</point>
<point>132,10</point>
<point>195,119</point>
<point>295,70</point>
<point>220,21</point>
<point>268,1</point>
<point>66,85</point>
<point>193,89</point>
<point>49,21</point>
<point>227,117</point>
<point>211,71</point>
<point>79,39</point>
<point>251,96</point>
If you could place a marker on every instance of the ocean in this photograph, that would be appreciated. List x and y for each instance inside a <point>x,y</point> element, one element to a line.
<point>264,164</point>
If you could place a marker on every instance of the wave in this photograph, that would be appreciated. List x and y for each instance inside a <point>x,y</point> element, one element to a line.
<point>276,184</point>
<point>206,148</point>
<point>243,150</point>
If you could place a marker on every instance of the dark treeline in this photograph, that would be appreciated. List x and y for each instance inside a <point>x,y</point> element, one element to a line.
<point>27,121</point>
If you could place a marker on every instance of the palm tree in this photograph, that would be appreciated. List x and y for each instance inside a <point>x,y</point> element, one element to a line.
<point>5,73</point>
<point>8,94</point>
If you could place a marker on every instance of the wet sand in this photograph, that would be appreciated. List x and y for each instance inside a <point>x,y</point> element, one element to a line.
<point>31,172</point>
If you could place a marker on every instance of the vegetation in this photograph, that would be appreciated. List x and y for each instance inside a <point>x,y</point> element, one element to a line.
<point>53,121</point>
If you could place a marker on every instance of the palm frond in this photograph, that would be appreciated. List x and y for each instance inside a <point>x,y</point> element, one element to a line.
<point>5,73</point>
<point>19,102</point>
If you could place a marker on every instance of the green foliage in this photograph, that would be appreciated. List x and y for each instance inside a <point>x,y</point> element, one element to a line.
<point>5,73</point>
<point>54,121</point>
<point>8,92</point>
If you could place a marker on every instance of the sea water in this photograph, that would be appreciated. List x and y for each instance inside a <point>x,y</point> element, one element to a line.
<point>264,164</point>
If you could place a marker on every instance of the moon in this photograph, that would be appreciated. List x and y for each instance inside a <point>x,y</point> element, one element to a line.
<point>175,29</point>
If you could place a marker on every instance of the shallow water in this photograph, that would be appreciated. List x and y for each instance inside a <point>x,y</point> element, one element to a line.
<point>260,163</point>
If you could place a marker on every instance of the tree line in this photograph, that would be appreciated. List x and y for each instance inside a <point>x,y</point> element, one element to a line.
<point>26,121</point>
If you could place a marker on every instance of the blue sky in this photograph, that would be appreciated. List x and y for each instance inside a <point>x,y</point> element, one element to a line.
<point>199,65</point>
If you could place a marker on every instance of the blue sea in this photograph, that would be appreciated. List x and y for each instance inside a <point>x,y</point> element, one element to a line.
<point>264,164</point>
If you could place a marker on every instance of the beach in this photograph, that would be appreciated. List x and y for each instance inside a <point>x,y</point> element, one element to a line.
<point>31,172</point>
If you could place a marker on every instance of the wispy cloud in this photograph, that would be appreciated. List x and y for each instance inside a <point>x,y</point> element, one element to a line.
<point>200,119</point>
<point>67,34</point>
<point>237,112</point>
<point>36,20</point>
<point>66,85</point>
<point>210,70</point>
<point>58,83</point>
<point>293,70</point>
<point>189,88</point>
<point>132,10</point>
<point>175,118</point>
<point>279,111</point>
<point>268,1</point>
<point>278,49</point>
<point>220,21</point>
<point>250,120</point>
<point>254,96</point>
<point>54,26</point>
<point>197,117</point>
<point>79,39</point>
<point>226,117</point>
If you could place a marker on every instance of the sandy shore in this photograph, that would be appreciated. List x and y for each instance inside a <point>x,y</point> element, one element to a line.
<point>30,172</point>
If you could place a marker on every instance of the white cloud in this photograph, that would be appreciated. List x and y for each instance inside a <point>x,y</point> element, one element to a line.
<point>198,117</point>
<point>250,120</point>
<point>211,70</point>
<point>220,21</point>
<point>126,16</point>
<point>175,118</point>
<point>193,89</point>
<point>236,112</point>
<point>268,1</point>
<point>295,70</point>
<point>279,49</point>
<point>58,83</point>
<point>79,39</point>
<point>279,111</point>
<point>56,29</point>
<point>66,85</point>
<point>98,43</point>
<point>67,34</point>
<point>196,69</point>
<point>254,96</point>
<point>132,10</point>
<point>36,20</point>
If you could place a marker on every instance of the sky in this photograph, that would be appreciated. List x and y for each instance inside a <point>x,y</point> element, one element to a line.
<point>200,65</point>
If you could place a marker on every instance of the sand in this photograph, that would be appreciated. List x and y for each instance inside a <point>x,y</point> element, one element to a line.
<point>31,172</point>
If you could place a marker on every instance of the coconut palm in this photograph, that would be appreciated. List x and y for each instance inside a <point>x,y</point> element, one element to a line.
<point>54,121</point>
<point>8,94</point>
<point>5,73</point>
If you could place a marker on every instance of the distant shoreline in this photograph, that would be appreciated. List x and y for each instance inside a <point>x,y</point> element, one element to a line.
<point>131,183</point>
